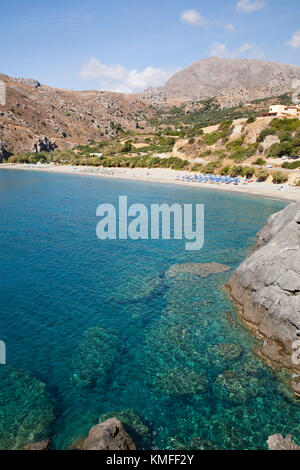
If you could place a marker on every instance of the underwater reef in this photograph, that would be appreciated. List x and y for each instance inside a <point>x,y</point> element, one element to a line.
<point>26,411</point>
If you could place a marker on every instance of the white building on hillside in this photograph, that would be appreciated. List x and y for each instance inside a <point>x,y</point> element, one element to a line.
<point>280,110</point>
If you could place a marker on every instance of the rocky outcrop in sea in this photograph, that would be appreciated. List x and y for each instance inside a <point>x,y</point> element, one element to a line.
<point>109,435</point>
<point>266,286</point>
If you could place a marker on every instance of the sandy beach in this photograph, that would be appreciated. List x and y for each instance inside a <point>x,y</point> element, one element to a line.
<point>166,176</point>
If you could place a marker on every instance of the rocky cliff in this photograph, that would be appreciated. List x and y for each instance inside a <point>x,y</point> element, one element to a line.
<point>266,286</point>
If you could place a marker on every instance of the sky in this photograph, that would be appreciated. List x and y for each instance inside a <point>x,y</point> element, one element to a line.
<point>129,45</point>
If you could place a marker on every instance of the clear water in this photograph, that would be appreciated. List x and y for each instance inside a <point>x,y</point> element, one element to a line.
<point>94,329</point>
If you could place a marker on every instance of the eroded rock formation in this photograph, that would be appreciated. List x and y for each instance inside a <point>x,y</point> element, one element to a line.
<point>267,288</point>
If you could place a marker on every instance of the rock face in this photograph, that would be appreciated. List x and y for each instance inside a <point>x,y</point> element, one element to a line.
<point>44,145</point>
<point>66,117</point>
<point>254,79</point>
<point>267,287</point>
<point>277,442</point>
<point>109,435</point>
<point>4,154</point>
<point>29,82</point>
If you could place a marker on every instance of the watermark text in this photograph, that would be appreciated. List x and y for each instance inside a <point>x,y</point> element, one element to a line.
<point>165,222</point>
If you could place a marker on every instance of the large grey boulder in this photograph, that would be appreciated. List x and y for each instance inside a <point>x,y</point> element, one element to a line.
<point>267,288</point>
<point>109,435</point>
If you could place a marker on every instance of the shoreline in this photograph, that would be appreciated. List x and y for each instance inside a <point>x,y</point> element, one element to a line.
<point>166,176</point>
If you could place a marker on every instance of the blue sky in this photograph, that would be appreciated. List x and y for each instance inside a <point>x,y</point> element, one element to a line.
<point>127,45</point>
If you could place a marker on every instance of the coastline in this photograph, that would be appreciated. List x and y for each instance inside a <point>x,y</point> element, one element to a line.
<point>166,176</point>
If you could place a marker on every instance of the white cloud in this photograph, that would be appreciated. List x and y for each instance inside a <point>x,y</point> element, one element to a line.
<point>247,50</point>
<point>95,69</point>
<point>230,27</point>
<point>193,18</point>
<point>295,41</point>
<point>247,6</point>
<point>122,80</point>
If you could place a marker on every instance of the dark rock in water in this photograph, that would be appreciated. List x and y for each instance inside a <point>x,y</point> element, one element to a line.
<point>229,351</point>
<point>143,289</point>
<point>236,387</point>
<point>133,425</point>
<point>182,381</point>
<point>26,409</point>
<point>200,444</point>
<point>109,435</point>
<point>277,442</point>
<point>197,269</point>
<point>267,287</point>
<point>44,445</point>
<point>98,351</point>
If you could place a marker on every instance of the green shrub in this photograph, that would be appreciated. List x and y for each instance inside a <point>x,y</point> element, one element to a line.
<point>279,150</point>
<point>279,177</point>
<point>265,133</point>
<point>250,120</point>
<point>127,147</point>
<point>236,171</point>
<point>262,174</point>
<point>292,165</point>
<point>211,167</point>
<point>197,167</point>
<point>260,162</point>
<point>211,139</point>
<point>248,172</point>
<point>225,171</point>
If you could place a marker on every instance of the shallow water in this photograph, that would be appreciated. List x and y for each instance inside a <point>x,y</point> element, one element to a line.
<point>95,329</point>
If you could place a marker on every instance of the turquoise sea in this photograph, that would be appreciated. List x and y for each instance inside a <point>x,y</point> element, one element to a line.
<point>95,329</point>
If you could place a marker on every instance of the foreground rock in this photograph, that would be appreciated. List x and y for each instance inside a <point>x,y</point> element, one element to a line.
<point>109,435</point>
<point>267,288</point>
<point>277,442</point>
<point>197,269</point>
<point>43,445</point>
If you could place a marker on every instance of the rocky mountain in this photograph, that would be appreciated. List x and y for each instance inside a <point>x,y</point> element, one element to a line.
<point>65,118</point>
<point>233,81</point>
<point>36,115</point>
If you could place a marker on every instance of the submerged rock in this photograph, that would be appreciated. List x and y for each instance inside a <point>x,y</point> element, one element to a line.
<point>182,381</point>
<point>97,353</point>
<point>236,387</point>
<point>109,435</point>
<point>26,410</point>
<point>277,442</point>
<point>197,269</point>
<point>197,443</point>
<point>142,289</point>
<point>228,351</point>
<point>267,287</point>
